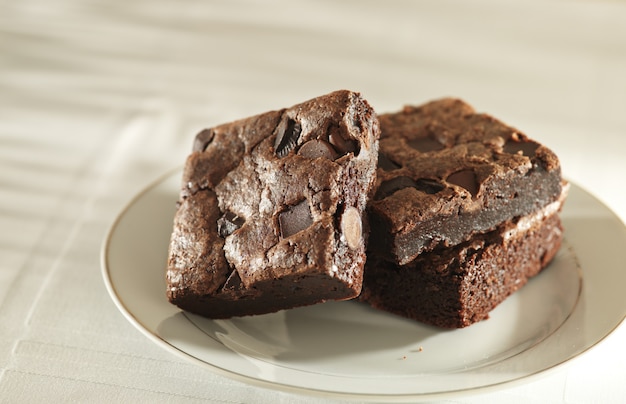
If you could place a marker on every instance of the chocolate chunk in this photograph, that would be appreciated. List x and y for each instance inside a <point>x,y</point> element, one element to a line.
<point>526,148</point>
<point>428,186</point>
<point>352,227</point>
<point>287,137</point>
<point>466,179</point>
<point>295,219</point>
<point>393,185</point>
<point>228,223</point>
<point>386,164</point>
<point>203,139</point>
<point>425,144</point>
<point>317,148</point>
<point>341,144</point>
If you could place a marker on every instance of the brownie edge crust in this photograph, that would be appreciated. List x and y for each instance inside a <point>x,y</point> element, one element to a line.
<point>270,214</point>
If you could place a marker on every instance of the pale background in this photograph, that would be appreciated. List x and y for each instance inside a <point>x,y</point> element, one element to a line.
<point>98,98</point>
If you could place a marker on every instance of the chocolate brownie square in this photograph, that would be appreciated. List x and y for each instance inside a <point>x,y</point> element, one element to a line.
<point>447,173</point>
<point>271,210</point>
<point>465,211</point>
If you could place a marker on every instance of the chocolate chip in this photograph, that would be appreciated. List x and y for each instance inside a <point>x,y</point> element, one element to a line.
<point>425,144</point>
<point>497,141</point>
<point>526,148</point>
<point>351,227</point>
<point>287,137</point>
<point>317,148</point>
<point>296,218</point>
<point>203,139</point>
<point>342,144</point>
<point>428,186</point>
<point>228,223</point>
<point>393,185</point>
<point>385,163</point>
<point>465,179</point>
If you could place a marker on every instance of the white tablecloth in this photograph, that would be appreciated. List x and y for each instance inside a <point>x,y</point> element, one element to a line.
<point>98,98</point>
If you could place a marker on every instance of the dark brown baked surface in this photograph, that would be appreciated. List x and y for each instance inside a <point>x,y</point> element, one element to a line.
<point>454,287</point>
<point>447,173</point>
<point>271,206</point>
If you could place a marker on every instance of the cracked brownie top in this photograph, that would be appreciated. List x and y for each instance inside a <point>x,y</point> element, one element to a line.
<point>277,196</point>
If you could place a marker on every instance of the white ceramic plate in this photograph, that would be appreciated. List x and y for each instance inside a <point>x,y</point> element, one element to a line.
<point>347,350</point>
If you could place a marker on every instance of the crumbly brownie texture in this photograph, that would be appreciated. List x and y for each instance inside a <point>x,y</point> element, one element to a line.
<point>447,173</point>
<point>458,286</point>
<point>270,214</point>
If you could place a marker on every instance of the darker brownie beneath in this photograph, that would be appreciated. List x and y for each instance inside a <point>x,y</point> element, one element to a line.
<point>457,286</point>
<point>270,214</point>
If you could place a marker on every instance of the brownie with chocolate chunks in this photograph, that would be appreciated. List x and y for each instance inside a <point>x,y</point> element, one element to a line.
<point>271,210</point>
<point>447,173</point>
<point>465,211</point>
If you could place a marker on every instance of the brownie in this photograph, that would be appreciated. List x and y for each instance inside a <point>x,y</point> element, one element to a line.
<point>457,286</point>
<point>447,173</point>
<point>271,210</point>
<point>464,212</point>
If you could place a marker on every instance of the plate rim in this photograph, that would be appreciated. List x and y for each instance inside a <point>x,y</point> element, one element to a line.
<point>285,387</point>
